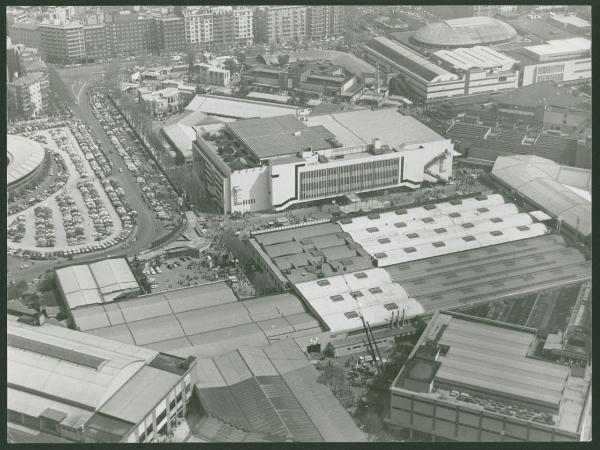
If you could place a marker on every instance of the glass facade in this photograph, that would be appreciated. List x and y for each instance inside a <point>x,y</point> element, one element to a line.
<point>349,178</point>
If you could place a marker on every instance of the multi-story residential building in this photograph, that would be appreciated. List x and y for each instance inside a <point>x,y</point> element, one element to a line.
<point>218,27</point>
<point>280,24</point>
<point>130,33</point>
<point>30,61</point>
<point>25,33</point>
<point>325,21</point>
<point>96,42</point>
<point>29,95</point>
<point>171,34</point>
<point>12,60</point>
<point>63,43</point>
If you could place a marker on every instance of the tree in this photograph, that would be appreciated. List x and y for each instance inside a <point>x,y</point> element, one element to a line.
<point>283,59</point>
<point>230,65</point>
<point>47,284</point>
<point>16,290</point>
<point>191,58</point>
<point>241,57</point>
<point>333,376</point>
<point>329,351</point>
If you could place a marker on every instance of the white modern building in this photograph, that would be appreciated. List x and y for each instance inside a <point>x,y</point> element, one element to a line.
<point>273,163</point>
<point>483,68</point>
<point>213,74</point>
<point>558,60</point>
<point>220,26</point>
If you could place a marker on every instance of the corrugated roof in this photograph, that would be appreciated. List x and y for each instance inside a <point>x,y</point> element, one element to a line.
<point>537,179</point>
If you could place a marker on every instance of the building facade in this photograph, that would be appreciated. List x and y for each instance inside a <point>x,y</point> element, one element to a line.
<point>561,60</point>
<point>171,34</point>
<point>30,95</point>
<point>96,42</point>
<point>218,28</point>
<point>281,24</point>
<point>130,33</point>
<point>63,43</point>
<point>261,178</point>
<point>325,21</point>
<point>28,34</point>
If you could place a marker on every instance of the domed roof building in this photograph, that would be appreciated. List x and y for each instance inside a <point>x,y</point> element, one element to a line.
<point>464,32</point>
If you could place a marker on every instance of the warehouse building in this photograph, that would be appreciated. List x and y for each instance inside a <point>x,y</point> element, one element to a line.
<point>461,71</point>
<point>99,282</point>
<point>203,320</point>
<point>273,163</point>
<point>472,379</point>
<point>270,394</point>
<point>561,191</point>
<point>391,268</point>
<point>72,386</point>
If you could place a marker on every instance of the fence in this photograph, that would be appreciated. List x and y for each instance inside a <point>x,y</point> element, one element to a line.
<point>290,226</point>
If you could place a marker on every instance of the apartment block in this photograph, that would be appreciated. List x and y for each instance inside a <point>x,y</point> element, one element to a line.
<point>281,24</point>
<point>29,94</point>
<point>325,22</point>
<point>63,43</point>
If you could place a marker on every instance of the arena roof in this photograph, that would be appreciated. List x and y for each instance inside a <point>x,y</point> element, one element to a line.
<point>475,57</point>
<point>409,60</point>
<point>464,32</point>
<point>362,126</point>
<point>492,357</point>
<point>100,282</point>
<point>542,181</point>
<point>273,390</point>
<point>433,230</point>
<point>24,157</point>
<point>277,136</point>
<point>539,28</point>
<point>200,321</point>
<point>236,108</point>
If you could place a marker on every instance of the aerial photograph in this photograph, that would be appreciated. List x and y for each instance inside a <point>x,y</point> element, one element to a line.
<point>299,223</point>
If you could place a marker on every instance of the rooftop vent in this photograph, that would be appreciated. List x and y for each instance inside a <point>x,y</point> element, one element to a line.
<point>297,133</point>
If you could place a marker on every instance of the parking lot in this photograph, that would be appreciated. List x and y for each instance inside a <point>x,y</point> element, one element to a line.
<point>78,216</point>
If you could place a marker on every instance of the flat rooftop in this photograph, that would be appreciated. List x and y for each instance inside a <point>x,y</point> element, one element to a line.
<point>301,253</point>
<point>236,108</point>
<point>538,28</point>
<point>561,46</point>
<point>360,127</point>
<point>277,136</point>
<point>196,321</point>
<point>490,361</point>
<point>474,57</point>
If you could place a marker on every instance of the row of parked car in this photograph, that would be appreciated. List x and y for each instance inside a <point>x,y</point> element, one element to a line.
<point>99,163</point>
<point>16,230</point>
<point>72,219</point>
<point>157,192</point>
<point>103,224</point>
<point>44,227</point>
<point>25,127</point>
<point>63,142</point>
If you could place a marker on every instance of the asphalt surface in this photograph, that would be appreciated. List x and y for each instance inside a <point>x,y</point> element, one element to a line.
<point>146,231</point>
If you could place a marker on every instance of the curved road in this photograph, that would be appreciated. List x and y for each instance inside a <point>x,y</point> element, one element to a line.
<point>146,230</point>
